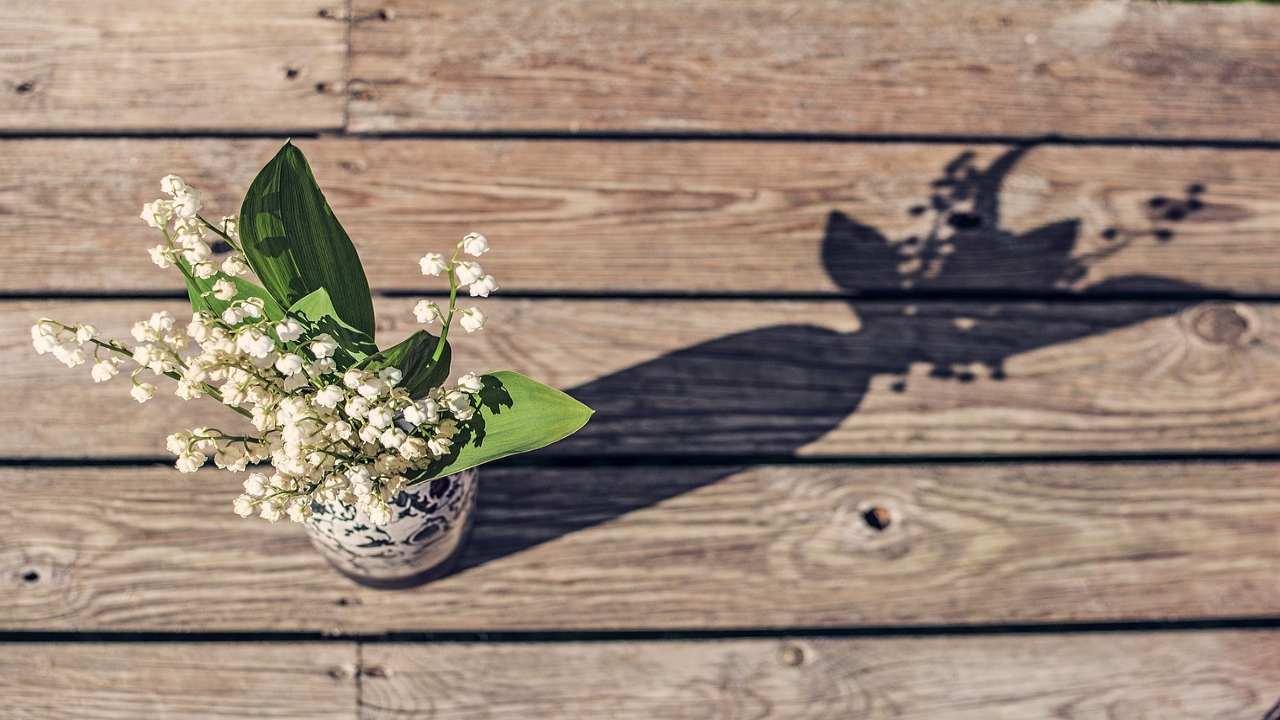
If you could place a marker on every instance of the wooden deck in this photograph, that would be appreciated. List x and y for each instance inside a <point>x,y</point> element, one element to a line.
<point>935,348</point>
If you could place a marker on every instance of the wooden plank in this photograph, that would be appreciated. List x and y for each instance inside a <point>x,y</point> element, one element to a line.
<point>998,67</point>
<point>95,66</point>
<point>668,547</point>
<point>746,378</point>
<point>684,217</point>
<point>88,681</point>
<point>1085,677</point>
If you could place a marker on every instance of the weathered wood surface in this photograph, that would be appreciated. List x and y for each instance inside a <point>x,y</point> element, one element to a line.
<point>681,216</point>
<point>667,377</point>
<point>966,67</point>
<point>119,681</point>
<point>1084,677</point>
<point>668,547</point>
<point>1087,676</point>
<point>103,66</point>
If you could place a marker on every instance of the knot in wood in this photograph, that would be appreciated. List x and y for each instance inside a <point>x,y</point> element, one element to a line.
<point>791,655</point>
<point>1223,324</point>
<point>877,517</point>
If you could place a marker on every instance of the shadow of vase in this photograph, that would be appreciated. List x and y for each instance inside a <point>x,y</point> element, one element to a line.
<point>688,418</point>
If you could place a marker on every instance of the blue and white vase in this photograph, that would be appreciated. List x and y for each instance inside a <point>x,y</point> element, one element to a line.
<point>428,529</point>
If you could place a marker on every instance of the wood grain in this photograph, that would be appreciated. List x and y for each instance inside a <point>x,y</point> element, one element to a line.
<point>84,681</point>
<point>681,217</point>
<point>965,67</point>
<point>668,547</point>
<point>104,66</point>
<point>1084,677</point>
<point>667,377</point>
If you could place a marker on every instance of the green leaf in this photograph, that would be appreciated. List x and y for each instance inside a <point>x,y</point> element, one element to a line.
<point>200,292</point>
<point>413,358</point>
<point>317,309</point>
<point>516,415</point>
<point>296,246</point>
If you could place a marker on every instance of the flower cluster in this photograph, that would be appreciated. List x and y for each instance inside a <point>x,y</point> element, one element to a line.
<point>180,212</point>
<point>465,273</point>
<point>333,428</point>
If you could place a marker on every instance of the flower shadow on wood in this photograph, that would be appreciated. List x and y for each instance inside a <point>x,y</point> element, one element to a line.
<point>691,417</point>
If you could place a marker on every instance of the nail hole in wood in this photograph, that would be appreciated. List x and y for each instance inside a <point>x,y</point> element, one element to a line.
<point>347,601</point>
<point>792,655</point>
<point>24,87</point>
<point>375,671</point>
<point>324,13</point>
<point>30,576</point>
<point>386,14</point>
<point>877,518</point>
<point>337,673</point>
<point>359,90</point>
<point>322,87</point>
<point>291,73</point>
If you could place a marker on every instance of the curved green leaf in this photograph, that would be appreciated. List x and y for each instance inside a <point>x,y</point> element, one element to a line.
<point>516,415</point>
<point>296,246</point>
<point>317,308</point>
<point>413,358</point>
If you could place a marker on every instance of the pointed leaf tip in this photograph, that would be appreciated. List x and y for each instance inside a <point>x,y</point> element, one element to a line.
<point>516,415</point>
<point>296,245</point>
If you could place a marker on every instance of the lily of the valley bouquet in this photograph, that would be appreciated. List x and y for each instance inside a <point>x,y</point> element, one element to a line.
<point>338,419</point>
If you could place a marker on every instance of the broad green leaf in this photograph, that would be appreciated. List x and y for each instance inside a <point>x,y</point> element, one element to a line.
<point>516,415</point>
<point>200,292</point>
<point>317,309</point>
<point>296,246</point>
<point>413,358</point>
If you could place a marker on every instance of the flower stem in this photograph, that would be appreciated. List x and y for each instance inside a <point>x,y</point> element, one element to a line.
<point>206,388</point>
<point>221,233</point>
<point>453,305</point>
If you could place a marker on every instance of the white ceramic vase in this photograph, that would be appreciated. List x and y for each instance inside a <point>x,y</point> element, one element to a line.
<point>429,525</point>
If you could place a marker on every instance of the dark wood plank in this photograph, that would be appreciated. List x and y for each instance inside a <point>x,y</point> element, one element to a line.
<point>1084,677</point>
<point>103,66</point>
<point>998,67</point>
<point>806,378</point>
<point>684,217</point>
<point>668,547</point>
<point>119,681</point>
